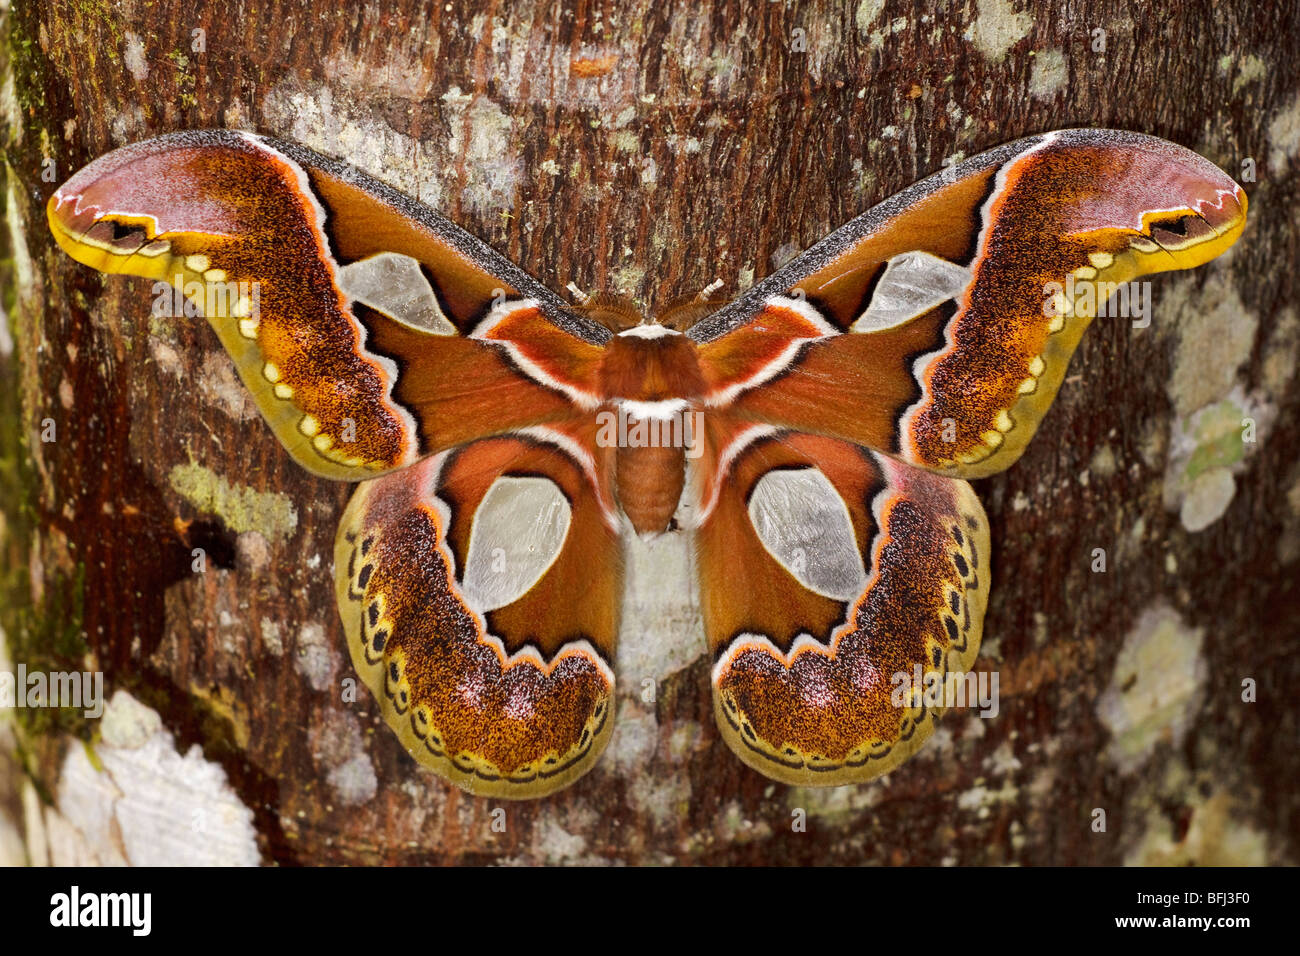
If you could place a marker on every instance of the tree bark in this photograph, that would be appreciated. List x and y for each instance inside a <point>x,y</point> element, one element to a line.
<point>639,149</point>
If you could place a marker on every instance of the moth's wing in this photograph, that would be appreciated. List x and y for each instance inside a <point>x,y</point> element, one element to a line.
<point>833,579</point>
<point>371,331</point>
<point>479,590</point>
<point>938,325</point>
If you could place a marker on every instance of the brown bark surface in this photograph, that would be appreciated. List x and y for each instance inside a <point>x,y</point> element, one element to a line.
<point>647,149</point>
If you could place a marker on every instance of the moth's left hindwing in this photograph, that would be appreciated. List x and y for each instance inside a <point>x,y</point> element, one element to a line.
<point>480,590</point>
<point>370,331</point>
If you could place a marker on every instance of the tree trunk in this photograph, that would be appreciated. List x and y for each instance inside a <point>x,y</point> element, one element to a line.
<point>633,148</point>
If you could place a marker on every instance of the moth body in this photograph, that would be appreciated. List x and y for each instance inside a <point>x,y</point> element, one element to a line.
<point>652,387</point>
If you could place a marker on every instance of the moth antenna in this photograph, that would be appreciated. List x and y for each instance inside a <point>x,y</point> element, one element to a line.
<point>578,294</point>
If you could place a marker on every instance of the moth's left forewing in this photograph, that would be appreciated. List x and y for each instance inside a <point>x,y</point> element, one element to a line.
<point>939,325</point>
<point>862,579</point>
<point>370,331</point>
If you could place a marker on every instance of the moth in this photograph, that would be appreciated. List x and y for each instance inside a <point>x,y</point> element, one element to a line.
<point>815,436</point>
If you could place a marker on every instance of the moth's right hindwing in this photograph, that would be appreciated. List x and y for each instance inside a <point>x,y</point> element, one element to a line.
<point>837,584</point>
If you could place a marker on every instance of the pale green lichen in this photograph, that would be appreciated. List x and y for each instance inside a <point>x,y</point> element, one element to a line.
<point>664,799</point>
<point>1208,447</point>
<point>1156,689</point>
<point>315,657</point>
<point>1249,69</point>
<point>866,14</point>
<point>1103,463</point>
<point>1216,334</point>
<point>1049,74</point>
<point>271,639</point>
<point>733,826</point>
<point>240,508</point>
<point>1218,835</point>
<point>683,740</point>
<point>1284,137</point>
<point>134,57</point>
<point>1003,761</point>
<point>983,799</point>
<point>340,126</point>
<point>628,278</point>
<point>626,141</point>
<point>338,748</point>
<point>997,28</point>
<point>1217,431</point>
<point>556,842</point>
<point>128,724</point>
<point>863,180</point>
<point>1207,499</point>
<point>1216,423</point>
<point>483,136</point>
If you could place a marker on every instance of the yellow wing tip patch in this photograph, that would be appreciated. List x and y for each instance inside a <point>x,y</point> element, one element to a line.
<point>231,310</point>
<point>150,258</point>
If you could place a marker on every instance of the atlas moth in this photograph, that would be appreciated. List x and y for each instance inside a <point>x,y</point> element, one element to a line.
<point>838,408</point>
